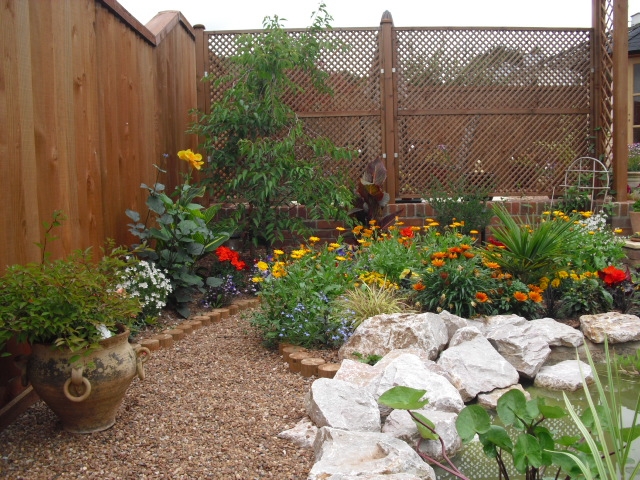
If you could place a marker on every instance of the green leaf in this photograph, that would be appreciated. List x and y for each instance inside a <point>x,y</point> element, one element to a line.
<point>510,405</point>
<point>403,398</point>
<point>420,421</point>
<point>498,436</point>
<point>133,215</point>
<point>155,204</point>
<point>471,420</point>
<point>526,453</point>
<point>552,411</point>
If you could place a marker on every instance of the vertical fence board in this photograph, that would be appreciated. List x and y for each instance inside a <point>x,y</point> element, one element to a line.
<point>83,119</point>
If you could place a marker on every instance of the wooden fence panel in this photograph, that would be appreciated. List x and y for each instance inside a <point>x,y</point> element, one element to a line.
<point>93,99</point>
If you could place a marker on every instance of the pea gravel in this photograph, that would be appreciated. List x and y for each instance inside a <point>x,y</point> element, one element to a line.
<point>210,407</point>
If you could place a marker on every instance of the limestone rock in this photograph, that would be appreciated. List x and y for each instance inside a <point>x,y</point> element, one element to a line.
<point>341,454</point>
<point>302,435</point>
<point>497,321</point>
<point>490,400</point>
<point>617,327</point>
<point>524,349</point>
<point>474,366</point>
<point>400,424</point>
<point>555,333</point>
<point>453,322</point>
<point>408,370</point>
<point>383,333</point>
<point>339,404</point>
<point>564,376</point>
<point>356,373</point>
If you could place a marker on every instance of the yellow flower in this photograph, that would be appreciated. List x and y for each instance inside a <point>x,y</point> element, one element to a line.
<point>357,229</point>
<point>341,259</point>
<point>372,222</point>
<point>195,159</point>
<point>257,279</point>
<point>262,266</point>
<point>617,230</point>
<point>278,252</point>
<point>340,229</point>
<point>474,232</point>
<point>314,239</point>
<point>555,283</point>
<point>563,274</point>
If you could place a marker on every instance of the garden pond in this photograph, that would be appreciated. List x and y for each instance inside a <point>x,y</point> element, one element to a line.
<point>475,464</point>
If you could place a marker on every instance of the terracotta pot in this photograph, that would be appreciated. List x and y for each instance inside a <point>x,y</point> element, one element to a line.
<point>634,217</point>
<point>86,398</point>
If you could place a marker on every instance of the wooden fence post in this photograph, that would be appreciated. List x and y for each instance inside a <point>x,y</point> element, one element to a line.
<point>620,95</point>
<point>201,58</point>
<point>388,104</point>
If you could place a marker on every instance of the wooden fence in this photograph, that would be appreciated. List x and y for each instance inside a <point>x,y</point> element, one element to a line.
<point>91,100</point>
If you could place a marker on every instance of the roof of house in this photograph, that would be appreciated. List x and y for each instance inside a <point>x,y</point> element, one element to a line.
<point>634,39</point>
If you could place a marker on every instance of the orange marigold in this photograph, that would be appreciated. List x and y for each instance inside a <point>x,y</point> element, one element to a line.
<point>468,254</point>
<point>535,297</point>
<point>521,297</point>
<point>438,262</point>
<point>418,287</point>
<point>493,265</point>
<point>439,255</point>
<point>454,250</point>
<point>482,297</point>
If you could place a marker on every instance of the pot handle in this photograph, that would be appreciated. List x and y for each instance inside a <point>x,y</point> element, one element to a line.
<point>142,355</point>
<point>21,362</point>
<point>77,379</point>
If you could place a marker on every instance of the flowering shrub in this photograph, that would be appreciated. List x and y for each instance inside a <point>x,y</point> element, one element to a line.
<point>151,285</point>
<point>297,290</point>
<point>546,268</point>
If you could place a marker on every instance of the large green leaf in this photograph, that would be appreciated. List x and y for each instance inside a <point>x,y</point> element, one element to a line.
<point>403,398</point>
<point>527,453</point>
<point>511,405</point>
<point>471,420</point>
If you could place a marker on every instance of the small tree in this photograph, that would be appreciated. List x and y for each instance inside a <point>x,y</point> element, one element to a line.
<point>261,157</point>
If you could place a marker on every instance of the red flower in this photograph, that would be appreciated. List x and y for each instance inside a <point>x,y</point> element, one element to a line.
<point>612,275</point>
<point>495,242</point>
<point>407,232</point>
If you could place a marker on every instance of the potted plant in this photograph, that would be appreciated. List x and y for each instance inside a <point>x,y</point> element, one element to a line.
<point>634,216</point>
<point>75,316</point>
<point>633,167</point>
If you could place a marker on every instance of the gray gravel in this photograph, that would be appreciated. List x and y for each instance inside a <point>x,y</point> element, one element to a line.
<point>210,407</point>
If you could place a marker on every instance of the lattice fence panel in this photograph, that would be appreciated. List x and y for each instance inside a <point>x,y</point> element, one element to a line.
<point>507,109</point>
<point>350,115</point>
<point>494,152</point>
<point>497,106</point>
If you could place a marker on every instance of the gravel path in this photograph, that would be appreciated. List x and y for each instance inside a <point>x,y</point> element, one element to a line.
<point>210,407</point>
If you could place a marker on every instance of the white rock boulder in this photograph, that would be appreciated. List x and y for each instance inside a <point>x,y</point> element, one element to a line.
<point>339,404</point>
<point>341,454</point>
<point>381,334</point>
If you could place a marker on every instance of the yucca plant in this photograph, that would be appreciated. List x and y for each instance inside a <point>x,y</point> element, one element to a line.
<point>532,250</point>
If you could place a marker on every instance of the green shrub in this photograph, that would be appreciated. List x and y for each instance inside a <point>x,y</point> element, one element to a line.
<point>261,158</point>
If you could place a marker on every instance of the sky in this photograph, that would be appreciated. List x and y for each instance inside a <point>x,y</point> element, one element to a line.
<point>249,14</point>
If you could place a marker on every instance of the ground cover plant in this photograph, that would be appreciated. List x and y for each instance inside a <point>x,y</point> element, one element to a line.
<point>559,264</point>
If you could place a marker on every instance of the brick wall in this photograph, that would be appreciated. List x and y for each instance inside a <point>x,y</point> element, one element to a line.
<point>414,214</point>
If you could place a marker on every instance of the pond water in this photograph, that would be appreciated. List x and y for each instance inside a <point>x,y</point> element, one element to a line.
<point>475,465</point>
